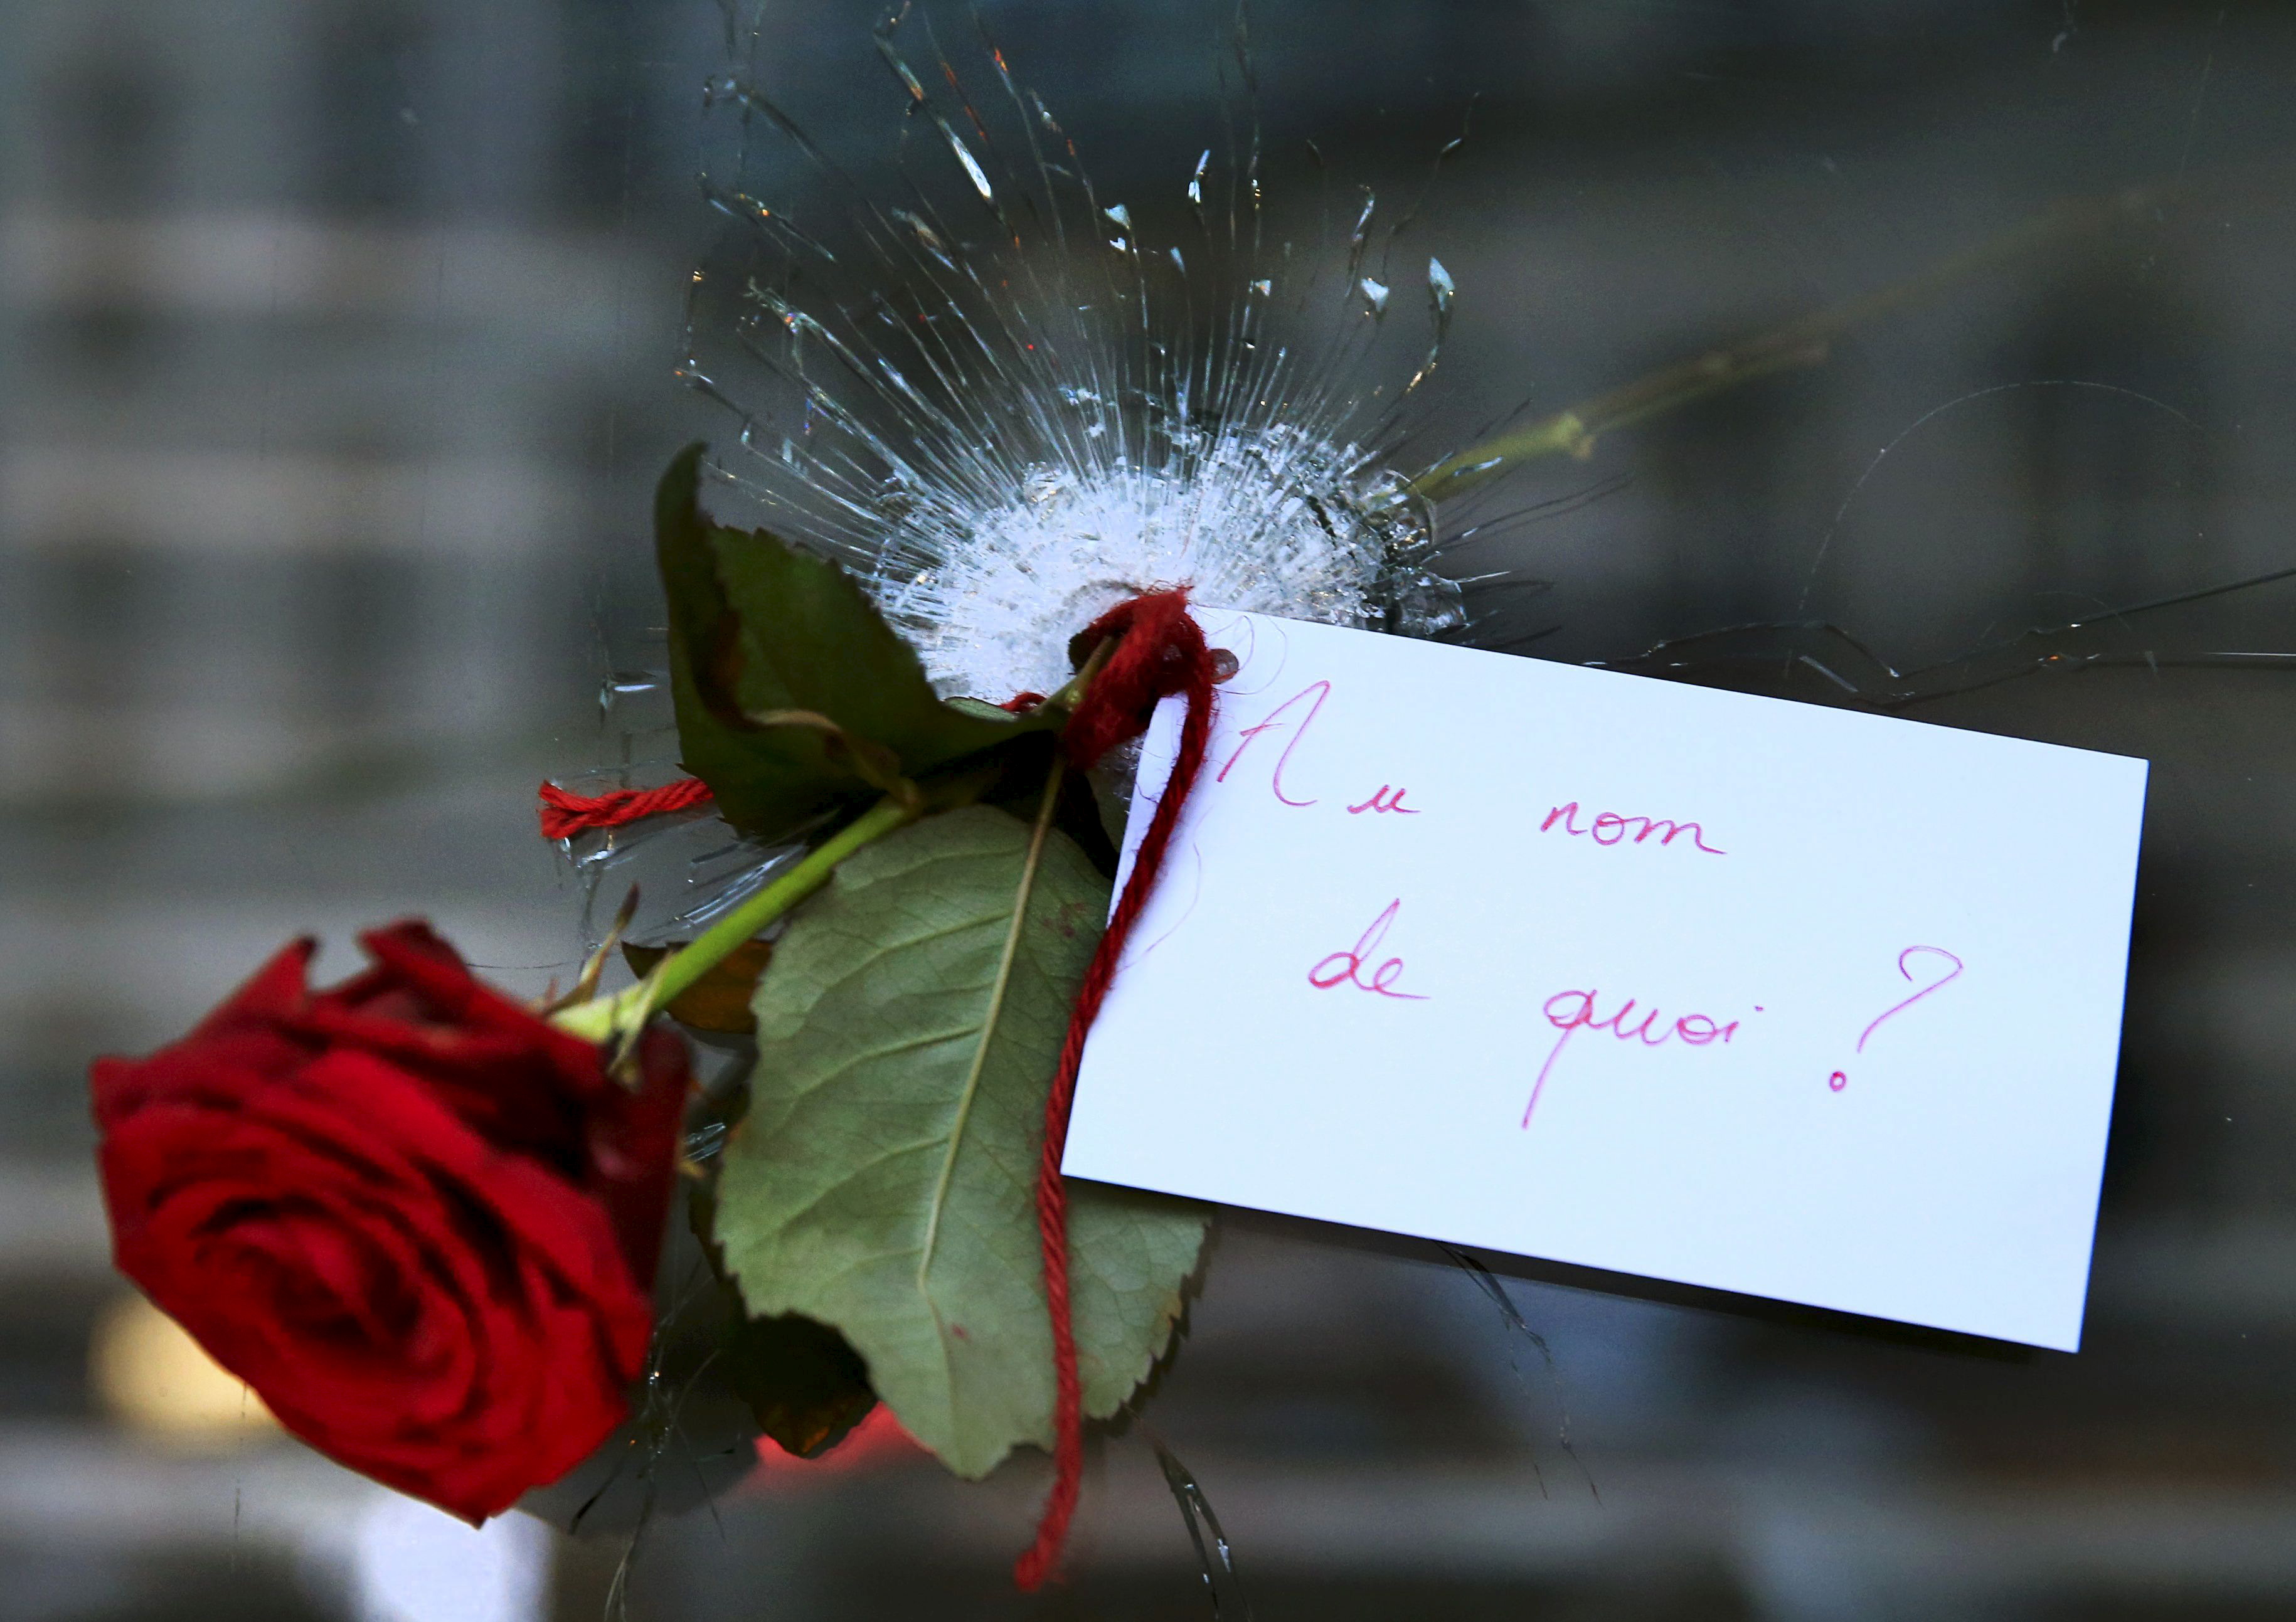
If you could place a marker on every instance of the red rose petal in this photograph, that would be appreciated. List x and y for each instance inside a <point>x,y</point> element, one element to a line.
<point>418,1219</point>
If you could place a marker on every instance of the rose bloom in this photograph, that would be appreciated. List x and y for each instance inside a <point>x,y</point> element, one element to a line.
<point>419,1221</point>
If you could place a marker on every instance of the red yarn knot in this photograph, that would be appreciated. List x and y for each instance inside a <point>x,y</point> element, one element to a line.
<point>564,815</point>
<point>1159,652</point>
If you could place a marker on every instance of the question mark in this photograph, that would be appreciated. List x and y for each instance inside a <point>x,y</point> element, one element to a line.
<point>1840,1079</point>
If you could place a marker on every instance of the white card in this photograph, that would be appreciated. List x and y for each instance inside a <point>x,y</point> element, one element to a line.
<point>1875,971</point>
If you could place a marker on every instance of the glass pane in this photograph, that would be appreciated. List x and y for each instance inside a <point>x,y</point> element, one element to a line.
<point>1924,355</point>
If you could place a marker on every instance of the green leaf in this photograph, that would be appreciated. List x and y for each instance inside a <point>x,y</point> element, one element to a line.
<point>883,1181</point>
<point>760,632</point>
<point>804,1385</point>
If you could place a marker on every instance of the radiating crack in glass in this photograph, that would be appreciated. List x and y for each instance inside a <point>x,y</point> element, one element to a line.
<point>1006,409</point>
<point>653,1431</point>
<point>1223,1583</point>
<point>1519,1329</point>
<point>1825,544</point>
<point>1855,672</point>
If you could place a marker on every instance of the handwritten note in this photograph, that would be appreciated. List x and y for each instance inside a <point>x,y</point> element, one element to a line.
<point>1775,999</point>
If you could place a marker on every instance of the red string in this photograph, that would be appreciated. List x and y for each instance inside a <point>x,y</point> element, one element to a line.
<point>564,815</point>
<point>1160,653</point>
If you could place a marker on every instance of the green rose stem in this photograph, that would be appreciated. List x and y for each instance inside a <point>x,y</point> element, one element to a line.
<point>604,1018</point>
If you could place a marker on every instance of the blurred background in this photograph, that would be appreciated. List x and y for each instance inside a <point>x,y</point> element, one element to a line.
<point>338,340</point>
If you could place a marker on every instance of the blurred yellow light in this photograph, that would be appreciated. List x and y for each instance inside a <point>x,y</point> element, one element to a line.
<point>153,1378</point>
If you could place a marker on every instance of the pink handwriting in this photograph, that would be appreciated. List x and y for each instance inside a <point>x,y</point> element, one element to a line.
<point>1346,968</point>
<point>1840,1079</point>
<point>1322,690</point>
<point>1937,985</point>
<point>1572,1012</point>
<point>1386,798</point>
<point>1609,828</point>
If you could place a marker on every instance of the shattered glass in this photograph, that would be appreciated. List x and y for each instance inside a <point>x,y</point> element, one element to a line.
<point>1008,405</point>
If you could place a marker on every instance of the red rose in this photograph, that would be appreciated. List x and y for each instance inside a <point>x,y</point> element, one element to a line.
<point>418,1220</point>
